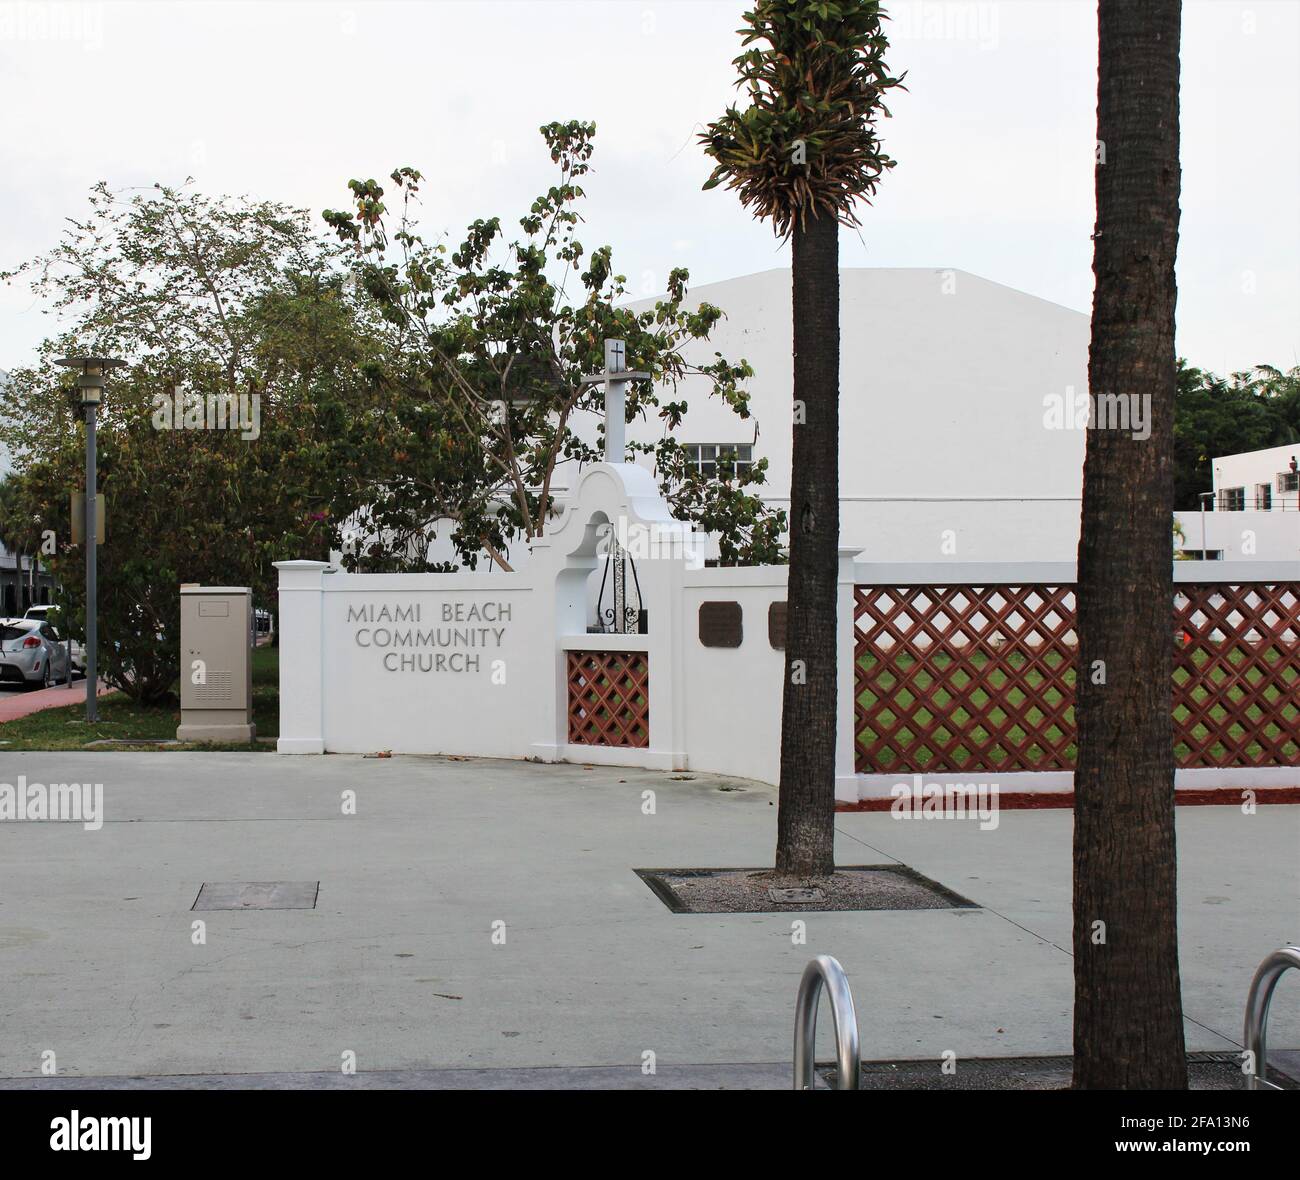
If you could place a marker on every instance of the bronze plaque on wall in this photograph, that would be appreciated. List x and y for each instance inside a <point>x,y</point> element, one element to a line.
<point>720,624</point>
<point>776,614</point>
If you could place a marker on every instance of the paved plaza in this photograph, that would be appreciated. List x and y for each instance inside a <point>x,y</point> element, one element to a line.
<point>485,915</point>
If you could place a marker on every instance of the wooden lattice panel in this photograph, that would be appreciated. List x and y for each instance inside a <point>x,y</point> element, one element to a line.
<point>1237,675</point>
<point>964,677</point>
<point>982,677</point>
<point>609,698</point>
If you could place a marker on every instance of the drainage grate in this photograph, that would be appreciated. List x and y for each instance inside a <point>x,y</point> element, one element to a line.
<point>257,895</point>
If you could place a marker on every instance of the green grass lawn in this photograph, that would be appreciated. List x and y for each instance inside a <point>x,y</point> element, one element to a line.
<point>121,719</point>
<point>1029,689</point>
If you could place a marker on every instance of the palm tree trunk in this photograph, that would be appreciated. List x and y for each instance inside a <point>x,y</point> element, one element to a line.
<point>805,843</point>
<point>1128,1021</point>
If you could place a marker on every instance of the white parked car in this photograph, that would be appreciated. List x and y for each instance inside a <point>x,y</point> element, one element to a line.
<point>50,614</point>
<point>31,654</point>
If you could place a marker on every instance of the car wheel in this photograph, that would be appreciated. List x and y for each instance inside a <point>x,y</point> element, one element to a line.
<point>47,677</point>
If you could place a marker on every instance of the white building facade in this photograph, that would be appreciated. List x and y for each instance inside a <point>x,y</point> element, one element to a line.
<point>1253,511</point>
<point>22,581</point>
<point>963,422</point>
<point>948,384</point>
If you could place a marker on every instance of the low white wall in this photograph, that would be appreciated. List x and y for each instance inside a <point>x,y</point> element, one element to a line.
<point>733,695</point>
<point>475,664</point>
<point>1243,536</point>
<point>430,663</point>
<point>412,663</point>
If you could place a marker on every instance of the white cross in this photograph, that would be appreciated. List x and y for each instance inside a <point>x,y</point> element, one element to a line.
<point>616,376</point>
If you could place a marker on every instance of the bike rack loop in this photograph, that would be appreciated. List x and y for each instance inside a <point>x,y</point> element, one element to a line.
<point>1257,1001</point>
<point>825,970</point>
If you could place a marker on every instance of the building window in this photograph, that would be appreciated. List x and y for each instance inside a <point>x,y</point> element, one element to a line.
<point>704,456</point>
<point>1232,500</point>
<point>1264,496</point>
<point>1288,481</point>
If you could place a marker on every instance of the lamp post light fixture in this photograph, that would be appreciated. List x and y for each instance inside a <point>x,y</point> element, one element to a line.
<point>91,382</point>
<point>1205,553</point>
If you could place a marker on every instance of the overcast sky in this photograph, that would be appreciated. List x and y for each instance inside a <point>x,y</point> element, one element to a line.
<point>994,139</point>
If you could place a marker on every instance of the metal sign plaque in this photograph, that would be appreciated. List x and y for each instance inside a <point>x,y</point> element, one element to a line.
<point>79,518</point>
<point>721,624</point>
<point>776,621</point>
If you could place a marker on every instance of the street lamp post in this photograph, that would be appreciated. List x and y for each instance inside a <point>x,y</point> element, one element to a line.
<point>91,382</point>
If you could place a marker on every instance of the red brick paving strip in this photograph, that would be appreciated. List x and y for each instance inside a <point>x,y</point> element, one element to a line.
<point>15,704</point>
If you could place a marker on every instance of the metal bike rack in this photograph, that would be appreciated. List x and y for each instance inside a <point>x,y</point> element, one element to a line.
<point>824,969</point>
<point>1257,1001</point>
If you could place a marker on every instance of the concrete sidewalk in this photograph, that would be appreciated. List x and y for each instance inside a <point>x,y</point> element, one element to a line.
<point>15,703</point>
<point>398,964</point>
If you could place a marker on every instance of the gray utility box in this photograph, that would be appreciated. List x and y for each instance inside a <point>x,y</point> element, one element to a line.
<point>216,664</point>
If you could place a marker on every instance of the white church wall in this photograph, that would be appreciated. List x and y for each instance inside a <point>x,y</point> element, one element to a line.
<point>475,672</point>
<point>944,385</point>
<point>945,389</point>
<point>733,716</point>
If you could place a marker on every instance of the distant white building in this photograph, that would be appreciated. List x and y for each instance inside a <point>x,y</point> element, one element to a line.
<point>6,461</point>
<point>1253,511</point>
<point>1266,481</point>
<point>15,571</point>
<point>20,585</point>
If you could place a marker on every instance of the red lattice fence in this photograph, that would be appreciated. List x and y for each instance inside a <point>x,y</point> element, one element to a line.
<point>957,678</point>
<point>609,698</point>
<point>1237,674</point>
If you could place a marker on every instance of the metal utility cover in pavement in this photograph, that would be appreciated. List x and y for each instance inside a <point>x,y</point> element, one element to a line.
<point>257,895</point>
<point>795,893</point>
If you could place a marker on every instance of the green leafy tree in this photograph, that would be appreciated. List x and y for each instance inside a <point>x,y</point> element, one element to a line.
<point>1246,411</point>
<point>220,299</point>
<point>16,532</point>
<point>485,385</point>
<point>748,532</point>
<point>802,154</point>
